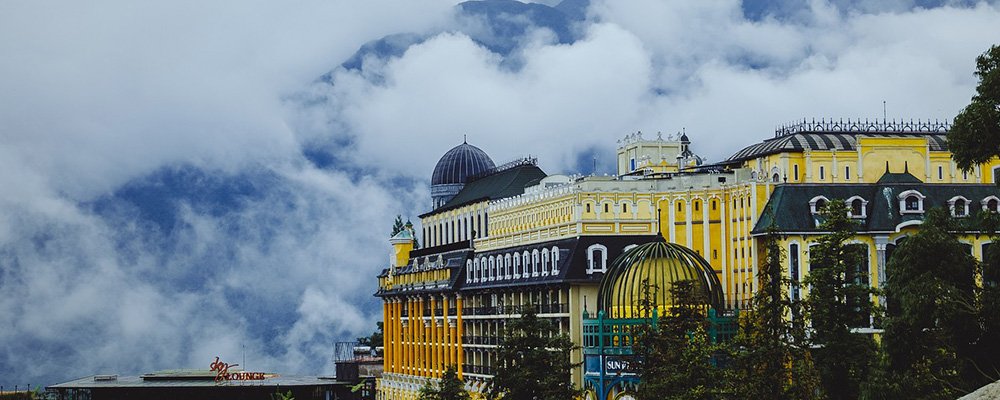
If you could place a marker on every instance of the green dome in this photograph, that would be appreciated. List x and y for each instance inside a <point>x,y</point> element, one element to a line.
<point>661,264</point>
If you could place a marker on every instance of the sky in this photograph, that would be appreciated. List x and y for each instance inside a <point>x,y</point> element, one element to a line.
<point>183,180</point>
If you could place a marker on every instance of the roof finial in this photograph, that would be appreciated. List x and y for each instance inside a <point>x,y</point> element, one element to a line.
<point>465,139</point>
<point>887,166</point>
<point>906,167</point>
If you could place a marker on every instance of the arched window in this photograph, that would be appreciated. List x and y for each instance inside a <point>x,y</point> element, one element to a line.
<point>991,204</point>
<point>911,202</point>
<point>859,207</point>
<point>697,205</point>
<point>775,178</point>
<point>597,258</point>
<point>525,264</point>
<point>492,269</point>
<point>793,270</point>
<point>468,271</point>
<point>587,207</point>
<point>605,207</point>
<point>680,206</point>
<point>545,262</point>
<point>555,260</point>
<point>517,266</point>
<point>816,204</point>
<point>475,269</point>
<point>535,258</point>
<point>506,266</point>
<point>959,206</point>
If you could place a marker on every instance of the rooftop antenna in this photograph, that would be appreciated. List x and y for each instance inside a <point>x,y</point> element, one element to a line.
<point>244,356</point>
<point>883,112</point>
<point>465,139</point>
<point>595,165</point>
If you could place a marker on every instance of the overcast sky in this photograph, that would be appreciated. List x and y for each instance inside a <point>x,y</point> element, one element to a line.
<point>162,202</point>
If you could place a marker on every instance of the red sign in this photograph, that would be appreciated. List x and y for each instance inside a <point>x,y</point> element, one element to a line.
<point>221,370</point>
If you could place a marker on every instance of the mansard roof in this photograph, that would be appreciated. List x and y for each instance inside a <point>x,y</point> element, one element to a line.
<point>789,211</point>
<point>505,183</point>
<point>841,136</point>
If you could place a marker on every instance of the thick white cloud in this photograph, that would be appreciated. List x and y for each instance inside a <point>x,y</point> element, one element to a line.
<point>101,95</point>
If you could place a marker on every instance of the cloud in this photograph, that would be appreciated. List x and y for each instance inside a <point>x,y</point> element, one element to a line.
<point>179,183</point>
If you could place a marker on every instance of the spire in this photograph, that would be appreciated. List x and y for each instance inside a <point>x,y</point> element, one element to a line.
<point>906,167</point>
<point>465,138</point>
<point>887,166</point>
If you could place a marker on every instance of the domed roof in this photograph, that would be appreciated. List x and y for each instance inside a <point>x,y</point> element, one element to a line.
<point>459,163</point>
<point>661,264</point>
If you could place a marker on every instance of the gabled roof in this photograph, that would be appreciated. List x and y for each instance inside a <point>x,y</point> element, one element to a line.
<point>506,183</point>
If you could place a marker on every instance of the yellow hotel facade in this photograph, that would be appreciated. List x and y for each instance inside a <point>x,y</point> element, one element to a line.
<point>504,238</point>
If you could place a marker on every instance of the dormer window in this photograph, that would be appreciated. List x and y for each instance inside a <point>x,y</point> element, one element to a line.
<point>911,202</point>
<point>991,204</point>
<point>817,204</point>
<point>959,206</point>
<point>859,207</point>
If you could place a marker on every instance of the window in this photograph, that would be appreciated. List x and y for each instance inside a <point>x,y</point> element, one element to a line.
<point>940,173</point>
<point>624,208</point>
<point>816,204</point>
<point>795,172</point>
<point>965,175</point>
<point>555,260</point>
<point>517,266</point>
<point>793,270</point>
<point>715,254</point>
<point>492,268</point>
<point>959,206</point>
<point>680,207</point>
<point>545,262</point>
<point>696,205</point>
<point>847,172</point>
<point>468,271</point>
<point>506,266</point>
<point>990,204</point>
<point>597,258</point>
<point>588,207</point>
<point>713,205</point>
<point>858,207</point>
<point>605,207</point>
<point>525,263</point>
<point>534,262</point>
<point>859,275</point>
<point>911,202</point>
<point>475,270</point>
<point>822,174</point>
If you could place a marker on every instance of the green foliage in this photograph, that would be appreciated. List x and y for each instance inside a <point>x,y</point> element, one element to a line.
<point>449,387</point>
<point>675,355</point>
<point>397,226</point>
<point>974,138</point>
<point>375,340</point>
<point>839,300</point>
<point>533,362</point>
<point>283,396</point>
<point>770,357</point>
<point>931,323</point>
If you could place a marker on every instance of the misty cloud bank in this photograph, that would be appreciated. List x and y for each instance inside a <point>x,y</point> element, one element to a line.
<point>182,180</point>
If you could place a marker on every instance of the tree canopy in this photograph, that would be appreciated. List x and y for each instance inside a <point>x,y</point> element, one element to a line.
<point>448,388</point>
<point>533,361</point>
<point>974,138</point>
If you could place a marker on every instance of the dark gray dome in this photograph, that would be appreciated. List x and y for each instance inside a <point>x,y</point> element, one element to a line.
<point>459,163</point>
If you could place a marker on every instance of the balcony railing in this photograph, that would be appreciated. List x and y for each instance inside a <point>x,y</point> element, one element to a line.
<point>518,309</point>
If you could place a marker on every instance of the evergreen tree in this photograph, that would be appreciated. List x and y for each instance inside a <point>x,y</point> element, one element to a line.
<point>397,226</point>
<point>839,300</point>
<point>449,388</point>
<point>375,340</point>
<point>974,138</point>
<point>533,362</point>
<point>931,320</point>
<point>770,356</point>
<point>675,354</point>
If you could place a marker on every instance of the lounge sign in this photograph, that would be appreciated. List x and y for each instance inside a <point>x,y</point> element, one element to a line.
<point>222,373</point>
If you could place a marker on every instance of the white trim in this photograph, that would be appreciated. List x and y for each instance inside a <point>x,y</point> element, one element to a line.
<point>592,265</point>
<point>955,212</point>
<point>986,202</point>
<point>908,223</point>
<point>814,200</point>
<point>906,195</point>
<point>850,207</point>
<point>555,260</point>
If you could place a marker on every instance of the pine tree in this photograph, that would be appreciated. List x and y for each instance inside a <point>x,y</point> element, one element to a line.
<point>533,362</point>
<point>397,226</point>
<point>839,300</point>
<point>675,356</point>
<point>770,355</point>
<point>931,320</point>
<point>449,387</point>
